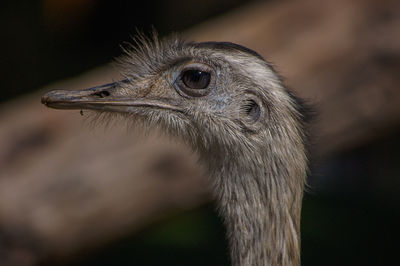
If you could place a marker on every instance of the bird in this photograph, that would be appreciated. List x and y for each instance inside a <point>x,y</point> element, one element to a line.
<point>232,108</point>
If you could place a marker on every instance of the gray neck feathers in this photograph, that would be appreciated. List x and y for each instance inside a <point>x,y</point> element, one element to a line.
<point>259,196</point>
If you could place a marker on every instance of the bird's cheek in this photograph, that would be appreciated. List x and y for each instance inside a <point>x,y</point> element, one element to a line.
<point>158,89</point>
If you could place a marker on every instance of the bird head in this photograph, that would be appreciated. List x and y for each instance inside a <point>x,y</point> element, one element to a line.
<point>217,95</point>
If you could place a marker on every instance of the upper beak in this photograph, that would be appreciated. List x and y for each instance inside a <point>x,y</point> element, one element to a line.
<point>108,97</point>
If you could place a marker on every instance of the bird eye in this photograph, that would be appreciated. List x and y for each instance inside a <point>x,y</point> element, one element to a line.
<point>196,79</point>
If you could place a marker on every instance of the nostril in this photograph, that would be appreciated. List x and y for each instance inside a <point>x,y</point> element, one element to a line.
<point>105,93</point>
<point>102,94</point>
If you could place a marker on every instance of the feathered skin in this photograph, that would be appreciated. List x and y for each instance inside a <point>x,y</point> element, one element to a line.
<point>247,127</point>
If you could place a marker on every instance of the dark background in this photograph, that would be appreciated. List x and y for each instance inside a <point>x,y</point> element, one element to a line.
<point>350,214</point>
<point>47,40</point>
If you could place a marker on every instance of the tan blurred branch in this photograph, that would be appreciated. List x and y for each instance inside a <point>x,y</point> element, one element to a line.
<point>64,187</point>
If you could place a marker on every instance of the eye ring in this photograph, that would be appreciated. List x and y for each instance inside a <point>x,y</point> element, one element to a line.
<point>195,80</point>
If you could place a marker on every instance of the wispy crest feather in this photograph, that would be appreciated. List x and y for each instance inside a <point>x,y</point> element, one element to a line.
<point>148,54</point>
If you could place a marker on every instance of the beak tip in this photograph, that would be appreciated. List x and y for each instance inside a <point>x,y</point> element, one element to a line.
<point>47,98</point>
<point>52,97</point>
<point>44,99</point>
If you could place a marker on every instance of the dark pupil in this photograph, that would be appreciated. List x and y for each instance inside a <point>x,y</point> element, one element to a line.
<point>196,79</point>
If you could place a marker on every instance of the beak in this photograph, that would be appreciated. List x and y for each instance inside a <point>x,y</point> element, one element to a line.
<point>109,97</point>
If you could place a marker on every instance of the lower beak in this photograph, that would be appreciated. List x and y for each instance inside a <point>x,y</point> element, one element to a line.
<point>105,98</point>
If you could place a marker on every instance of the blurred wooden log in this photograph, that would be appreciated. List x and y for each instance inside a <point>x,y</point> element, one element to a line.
<point>64,187</point>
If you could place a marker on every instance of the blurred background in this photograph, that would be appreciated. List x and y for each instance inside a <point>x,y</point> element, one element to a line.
<point>342,56</point>
<point>47,40</point>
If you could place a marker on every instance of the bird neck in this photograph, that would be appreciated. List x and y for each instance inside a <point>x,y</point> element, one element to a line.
<point>261,211</point>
